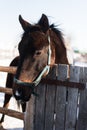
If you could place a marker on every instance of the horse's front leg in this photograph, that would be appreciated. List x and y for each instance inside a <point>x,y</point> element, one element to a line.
<point>6,104</point>
<point>9,84</point>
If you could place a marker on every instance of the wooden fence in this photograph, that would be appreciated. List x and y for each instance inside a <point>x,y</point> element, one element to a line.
<point>62,101</point>
<point>6,111</point>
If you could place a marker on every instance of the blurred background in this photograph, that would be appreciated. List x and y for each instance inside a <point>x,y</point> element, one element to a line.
<point>70,16</point>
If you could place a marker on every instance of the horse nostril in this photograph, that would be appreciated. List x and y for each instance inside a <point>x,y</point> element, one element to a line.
<point>17,93</point>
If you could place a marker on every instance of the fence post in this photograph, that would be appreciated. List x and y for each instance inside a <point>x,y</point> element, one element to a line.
<point>82,119</point>
<point>61,92</point>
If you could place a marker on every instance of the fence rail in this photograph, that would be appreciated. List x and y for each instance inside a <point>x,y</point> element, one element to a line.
<point>12,113</point>
<point>8,69</point>
<point>6,111</point>
<point>6,90</point>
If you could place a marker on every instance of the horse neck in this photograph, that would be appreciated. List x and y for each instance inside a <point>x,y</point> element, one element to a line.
<point>61,54</point>
<point>58,47</point>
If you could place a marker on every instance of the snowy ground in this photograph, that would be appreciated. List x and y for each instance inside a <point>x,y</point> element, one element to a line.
<point>9,123</point>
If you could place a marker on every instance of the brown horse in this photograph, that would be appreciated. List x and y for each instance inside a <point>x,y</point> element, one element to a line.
<point>41,45</point>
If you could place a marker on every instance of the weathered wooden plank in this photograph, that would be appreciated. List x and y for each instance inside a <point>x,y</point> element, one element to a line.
<point>40,108</point>
<point>6,90</point>
<point>82,118</point>
<point>8,69</point>
<point>12,113</point>
<point>61,99</point>
<point>50,102</point>
<point>29,114</point>
<point>72,99</point>
<point>65,83</point>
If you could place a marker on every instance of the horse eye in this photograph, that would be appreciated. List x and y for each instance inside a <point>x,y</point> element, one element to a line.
<point>38,52</point>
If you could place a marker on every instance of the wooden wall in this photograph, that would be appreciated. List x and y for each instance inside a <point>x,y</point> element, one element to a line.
<point>59,106</point>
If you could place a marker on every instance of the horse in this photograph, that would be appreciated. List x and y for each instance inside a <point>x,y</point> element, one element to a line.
<point>42,44</point>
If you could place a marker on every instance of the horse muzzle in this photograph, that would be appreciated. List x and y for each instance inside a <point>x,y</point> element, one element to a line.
<point>22,92</point>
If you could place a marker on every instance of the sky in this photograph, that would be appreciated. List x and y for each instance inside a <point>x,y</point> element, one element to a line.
<point>69,15</point>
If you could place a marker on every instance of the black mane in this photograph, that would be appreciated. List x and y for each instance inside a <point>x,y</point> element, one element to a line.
<point>58,32</point>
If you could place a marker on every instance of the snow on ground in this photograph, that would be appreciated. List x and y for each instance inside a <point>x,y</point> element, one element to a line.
<point>9,123</point>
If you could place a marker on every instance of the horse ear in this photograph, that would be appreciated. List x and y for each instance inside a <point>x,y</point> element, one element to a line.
<point>24,23</point>
<point>44,23</point>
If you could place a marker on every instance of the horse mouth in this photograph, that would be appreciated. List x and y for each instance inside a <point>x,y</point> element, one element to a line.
<point>21,98</point>
<point>21,93</point>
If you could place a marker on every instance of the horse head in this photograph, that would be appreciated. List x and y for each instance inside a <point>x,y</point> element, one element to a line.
<point>41,45</point>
